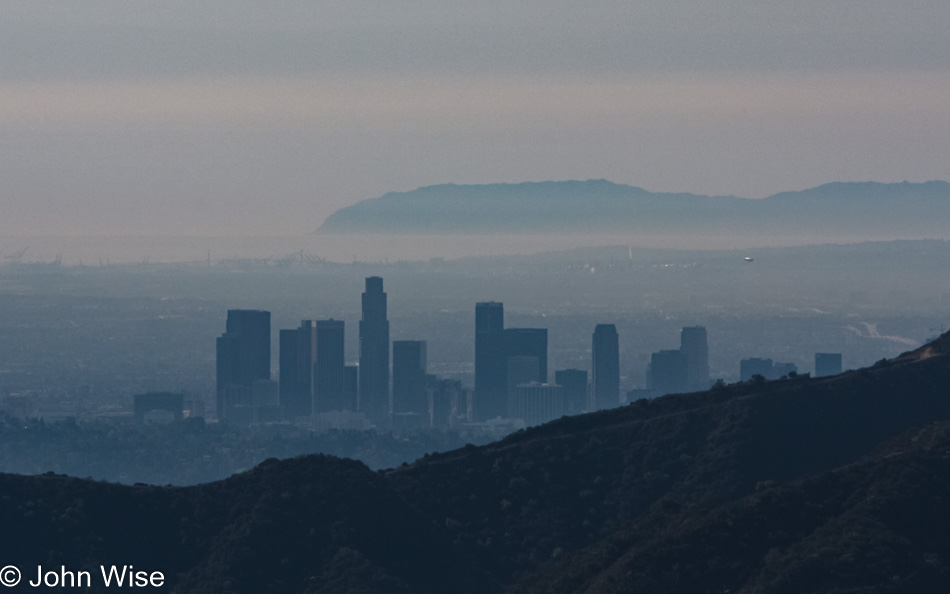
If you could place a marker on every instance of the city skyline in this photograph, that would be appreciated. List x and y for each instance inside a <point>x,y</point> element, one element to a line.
<point>510,379</point>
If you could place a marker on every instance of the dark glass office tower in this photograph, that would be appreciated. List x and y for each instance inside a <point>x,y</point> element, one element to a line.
<point>669,372</point>
<point>330,370</point>
<point>529,342</point>
<point>374,354</point>
<point>526,359</point>
<point>605,368</point>
<point>491,368</point>
<point>694,348</point>
<point>521,370</point>
<point>446,406</point>
<point>574,383</point>
<point>754,366</point>
<point>351,386</point>
<point>298,354</point>
<point>243,356</point>
<point>827,364</point>
<point>409,377</point>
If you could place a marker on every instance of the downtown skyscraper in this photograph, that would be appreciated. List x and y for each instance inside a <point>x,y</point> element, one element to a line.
<point>574,382</point>
<point>696,351</point>
<point>526,360</point>
<point>374,354</point>
<point>491,364</point>
<point>329,393</point>
<point>529,342</point>
<point>669,372</point>
<point>605,372</point>
<point>298,356</point>
<point>242,357</point>
<point>409,377</point>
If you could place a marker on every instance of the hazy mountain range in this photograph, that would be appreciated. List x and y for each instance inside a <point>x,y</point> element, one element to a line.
<point>813,485</point>
<point>896,210</point>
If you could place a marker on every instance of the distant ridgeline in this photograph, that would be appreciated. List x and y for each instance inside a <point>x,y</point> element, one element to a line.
<point>905,209</point>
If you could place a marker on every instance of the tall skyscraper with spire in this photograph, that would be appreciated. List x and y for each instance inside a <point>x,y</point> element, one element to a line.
<point>605,368</point>
<point>374,354</point>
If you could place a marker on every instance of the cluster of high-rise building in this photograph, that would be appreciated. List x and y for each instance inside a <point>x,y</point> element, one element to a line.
<point>316,384</point>
<point>511,373</point>
<point>678,370</point>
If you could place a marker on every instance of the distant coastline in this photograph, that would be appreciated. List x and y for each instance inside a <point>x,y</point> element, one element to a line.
<point>869,210</point>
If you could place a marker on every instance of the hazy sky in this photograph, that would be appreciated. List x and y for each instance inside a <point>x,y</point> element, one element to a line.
<point>233,117</point>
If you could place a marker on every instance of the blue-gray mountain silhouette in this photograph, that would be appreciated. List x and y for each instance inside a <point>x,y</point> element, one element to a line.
<point>901,209</point>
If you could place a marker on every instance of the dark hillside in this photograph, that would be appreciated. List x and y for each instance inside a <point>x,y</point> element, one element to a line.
<point>879,525</point>
<point>308,524</point>
<point>522,503</point>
